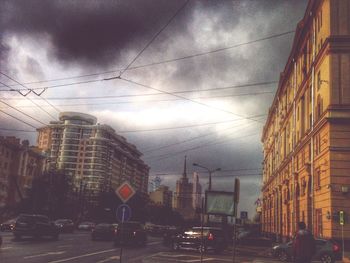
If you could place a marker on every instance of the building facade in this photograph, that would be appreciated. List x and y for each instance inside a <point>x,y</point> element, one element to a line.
<point>196,192</point>
<point>183,195</point>
<point>19,165</point>
<point>93,154</point>
<point>162,196</point>
<point>306,138</point>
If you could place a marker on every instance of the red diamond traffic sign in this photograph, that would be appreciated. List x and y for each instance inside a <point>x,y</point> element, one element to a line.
<point>125,191</point>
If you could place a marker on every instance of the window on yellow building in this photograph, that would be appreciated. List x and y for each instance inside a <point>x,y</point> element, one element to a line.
<point>317,179</point>
<point>303,186</point>
<point>318,80</point>
<point>319,226</point>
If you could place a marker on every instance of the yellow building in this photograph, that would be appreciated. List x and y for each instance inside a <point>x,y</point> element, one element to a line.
<point>306,139</point>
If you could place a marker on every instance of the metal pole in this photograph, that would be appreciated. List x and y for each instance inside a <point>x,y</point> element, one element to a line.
<point>202,245</point>
<point>121,237</point>
<point>342,237</point>
<point>209,180</point>
<point>234,241</point>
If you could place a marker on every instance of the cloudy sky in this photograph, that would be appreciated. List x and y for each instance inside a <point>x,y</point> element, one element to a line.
<point>196,77</point>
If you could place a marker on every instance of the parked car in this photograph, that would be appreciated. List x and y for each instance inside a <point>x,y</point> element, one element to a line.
<point>327,251</point>
<point>169,235</point>
<point>104,231</point>
<point>213,239</point>
<point>0,241</point>
<point>35,226</point>
<point>88,226</point>
<point>131,233</point>
<point>65,225</point>
<point>248,237</point>
<point>8,225</point>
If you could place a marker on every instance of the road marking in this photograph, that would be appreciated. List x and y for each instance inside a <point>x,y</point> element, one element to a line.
<point>154,243</point>
<point>83,256</point>
<point>64,246</point>
<point>45,254</point>
<point>108,259</point>
<point>4,248</point>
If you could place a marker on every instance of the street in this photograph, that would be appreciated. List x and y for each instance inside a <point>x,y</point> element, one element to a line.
<point>78,247</point>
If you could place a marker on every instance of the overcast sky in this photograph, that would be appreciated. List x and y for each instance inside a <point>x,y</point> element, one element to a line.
<point>70,47</point>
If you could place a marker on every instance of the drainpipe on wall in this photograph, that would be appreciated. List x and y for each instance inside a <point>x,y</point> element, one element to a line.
<point>294,135</point>
<point>312,121</point>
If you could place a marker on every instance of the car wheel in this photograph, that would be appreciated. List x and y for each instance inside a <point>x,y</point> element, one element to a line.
<point>176,246</point>
<point>326,258</point>
<point>283,256</point>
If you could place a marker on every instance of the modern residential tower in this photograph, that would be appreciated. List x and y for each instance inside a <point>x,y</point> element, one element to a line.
<point>93,154</point>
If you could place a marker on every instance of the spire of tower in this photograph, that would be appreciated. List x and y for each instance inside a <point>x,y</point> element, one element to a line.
<point>184,175</point>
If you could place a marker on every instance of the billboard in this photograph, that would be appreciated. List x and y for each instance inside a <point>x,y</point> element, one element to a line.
<point>219,203</point>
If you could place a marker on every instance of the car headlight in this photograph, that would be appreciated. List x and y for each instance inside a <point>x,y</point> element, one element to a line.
<point>275,247</point>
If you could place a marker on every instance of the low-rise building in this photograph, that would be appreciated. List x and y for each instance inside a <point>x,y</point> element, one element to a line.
<point>19,165</point>
<point>162,196</point>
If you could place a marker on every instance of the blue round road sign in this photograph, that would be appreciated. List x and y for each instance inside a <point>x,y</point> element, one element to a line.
<point>123,213</point>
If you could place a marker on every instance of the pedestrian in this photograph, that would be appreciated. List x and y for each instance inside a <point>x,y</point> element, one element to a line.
<point>303,244</point>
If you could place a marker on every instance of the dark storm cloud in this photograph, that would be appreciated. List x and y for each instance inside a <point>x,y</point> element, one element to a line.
<point>88,32</point>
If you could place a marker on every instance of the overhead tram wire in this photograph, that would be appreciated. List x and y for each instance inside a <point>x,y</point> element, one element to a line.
<point>169,155</point>
<point>35,94</point>
<point>154,94</point>
<point>188,140</point>
<point>32,101</point>
<point>185,126</point>
<point>25,114</point>
<point>16,130</point>
<point>147,101</point>
<point>154,37</point>
<point>151,64</point>
<point>185,98</point>
<point>14,117</point>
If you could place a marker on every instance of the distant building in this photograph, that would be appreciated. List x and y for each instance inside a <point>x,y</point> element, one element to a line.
<point>306,137</point>
<point>19,165</point>
<point>183,196</point>
<point>162,196</point>
<point>196,192</point>
<point>94,154</point>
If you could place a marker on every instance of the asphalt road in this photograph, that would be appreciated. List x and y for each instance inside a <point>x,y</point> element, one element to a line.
<point>78,247</point>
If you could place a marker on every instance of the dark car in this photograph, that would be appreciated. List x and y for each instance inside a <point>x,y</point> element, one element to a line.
<point>87,226</point>
<point>0,241</point>
<point>104,231</point>
<point>65,225</point>
<point>327,251</point>
<point>248,237</point>
<point>132,233</point>
<point>213,239</point>
<point>8,225</point>
<point>169,234</point>
<point>35,226</point>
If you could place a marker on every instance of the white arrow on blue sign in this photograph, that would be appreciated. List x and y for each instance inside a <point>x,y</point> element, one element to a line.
<point>123,213</point>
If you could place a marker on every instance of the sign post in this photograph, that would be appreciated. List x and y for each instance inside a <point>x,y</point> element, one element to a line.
<point>341,222</point>
<point>235,201</point>
<point>125,191</point>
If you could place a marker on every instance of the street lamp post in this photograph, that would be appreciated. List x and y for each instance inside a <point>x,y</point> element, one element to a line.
<point>209,171</point>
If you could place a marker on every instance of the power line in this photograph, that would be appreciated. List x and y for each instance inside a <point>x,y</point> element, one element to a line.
<point>230,170</point>
<point>160,93</point>
<point>30,98</point>
<point>180,127</point>
<point>36,105</point>
<point>154,37</point>
<point>190,139</point>
<point>185,98</point>
<point>147,101</point>
<point>155,63</point>
<point>18,119</point>
<point>169,155</point>
<point>16,130</point>
<point>22,112</point>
